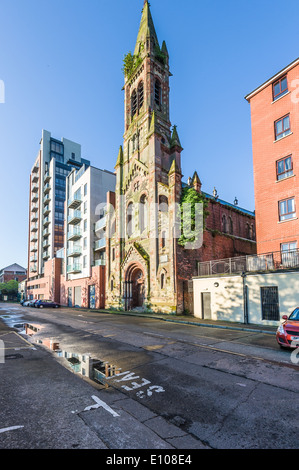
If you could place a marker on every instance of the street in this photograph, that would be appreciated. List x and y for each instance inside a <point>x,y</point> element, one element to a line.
<point>172,385</point>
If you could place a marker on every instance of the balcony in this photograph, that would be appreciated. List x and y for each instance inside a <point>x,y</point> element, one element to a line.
<point>35,178</point>
<point>33,258</point>
<point>33,238</point>
<point>34,217</point>
<point>33,249</point>
<point>74,202</point>
<point>100,244</point>
<point>101,224</point>
<point>46,221</point>
<point>76,234</point>
<point>46,243</point>
<point>100,262</point>
<point>74,251</point>
<point>34,197</point>
<point>47,199</point>
<point>75,218</point>
<point>46,232</point>
<point>34,228</point>
<point>34,188</point>
<point>34,208</point>
<point>47,177</point>
<point>46,255</point>
<point>47,188</point>
<point>35,169</point>
<point>46,210</point>
<point>267,262</point>
<point>74,269</point>
<point>33,269</point>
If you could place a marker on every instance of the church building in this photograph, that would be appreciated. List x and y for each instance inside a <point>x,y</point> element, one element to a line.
<point>148,261</point>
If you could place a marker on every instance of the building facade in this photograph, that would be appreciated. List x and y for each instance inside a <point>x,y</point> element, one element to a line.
<point>275,142</point>
<point>56,158</point>
<point>83,279</point>
<point>14,272</point>
<point>147,260</point>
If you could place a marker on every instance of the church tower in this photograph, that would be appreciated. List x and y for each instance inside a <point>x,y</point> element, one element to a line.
<point>141,249</point>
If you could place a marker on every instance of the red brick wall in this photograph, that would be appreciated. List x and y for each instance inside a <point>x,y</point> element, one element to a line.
<point>268,192</point>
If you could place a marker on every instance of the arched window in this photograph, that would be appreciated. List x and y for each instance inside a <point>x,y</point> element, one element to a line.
<point>248,231</point>
<point>224,224</point>
<point>162,281</point>
<point>143,213</point>
<point>140,95</point>
<point>231,226</point>
<point>133,103</point>
<point>130,219</point>
<point>163,239</point>
<point>157,92</point>
<point>163,204</point>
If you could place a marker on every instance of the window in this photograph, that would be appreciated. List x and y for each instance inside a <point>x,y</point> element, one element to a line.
<point>140,95</point>
<point>85,225</point>
<point>287,209</point>
<point>284,168</point>
<point>84,261</point>
<point>282,127</point>
<point>224,224</point>
<point>85,207</point>
<point>162,280</point>
<point>270,303</point>
<point>130,220</point>
<point>280,88</point>
<point>133,103</point>
<point>85,243</point>
<point>143,213</point>
<point>157,92</point>
<point>85,189</point>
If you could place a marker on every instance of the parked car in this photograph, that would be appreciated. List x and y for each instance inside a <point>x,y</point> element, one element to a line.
<point>32,303</point>
<point>46,304</point>
<point>26,303</point>
<point>287,335</point>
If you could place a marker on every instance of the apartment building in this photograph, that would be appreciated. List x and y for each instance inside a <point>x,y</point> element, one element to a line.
<point>275,140</point>
<point>83,280</point>
<point>14,272</point>
<point>55,160</point>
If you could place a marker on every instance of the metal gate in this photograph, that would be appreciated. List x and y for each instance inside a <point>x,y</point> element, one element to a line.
<point>270,303</point>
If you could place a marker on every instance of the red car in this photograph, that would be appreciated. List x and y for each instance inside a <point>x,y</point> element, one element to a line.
<point>287,335</point>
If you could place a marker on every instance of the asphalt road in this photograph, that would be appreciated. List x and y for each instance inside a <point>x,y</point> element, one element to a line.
<point>178,386</point>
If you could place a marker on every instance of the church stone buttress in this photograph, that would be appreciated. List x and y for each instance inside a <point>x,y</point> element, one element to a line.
<point>141,249</point>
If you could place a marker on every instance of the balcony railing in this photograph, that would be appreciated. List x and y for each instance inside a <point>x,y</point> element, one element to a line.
<point>47,187</point>
<point>47,199</point>
<point>33,269</point>
<point>46,232</point>
<point>100,262</point>
<point>34,188</point>
<point>74,269</point>
<point>47,177</point>
<point>251,263</point>
<point>75,218</point>
<point>74,202</point>
<point>101,224</point>
<point>46,210</point>
<point>74,251</point>
<point>100,244</point>
<point>34,208</point>
<point>46,221</point>
<point>46,243</point>
<point>75,234</point>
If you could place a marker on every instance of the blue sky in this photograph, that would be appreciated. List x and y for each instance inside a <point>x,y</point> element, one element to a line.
<point>61,62</point>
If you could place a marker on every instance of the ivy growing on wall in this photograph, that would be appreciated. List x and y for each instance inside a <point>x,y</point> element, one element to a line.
<point>192,197</point>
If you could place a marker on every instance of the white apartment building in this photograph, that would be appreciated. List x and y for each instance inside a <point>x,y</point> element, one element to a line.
<point>85,242</point>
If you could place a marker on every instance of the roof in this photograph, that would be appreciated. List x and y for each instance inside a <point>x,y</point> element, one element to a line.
<point>14,267</point>
<point>146,29</point>
<point>272,79</point>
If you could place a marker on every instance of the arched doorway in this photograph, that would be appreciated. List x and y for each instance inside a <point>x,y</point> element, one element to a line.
<point>134,287</point>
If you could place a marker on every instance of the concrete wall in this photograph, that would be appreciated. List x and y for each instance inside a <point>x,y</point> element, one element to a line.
<point>227,299</point>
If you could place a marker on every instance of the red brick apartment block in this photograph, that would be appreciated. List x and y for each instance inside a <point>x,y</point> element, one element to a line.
<point>275,140</point>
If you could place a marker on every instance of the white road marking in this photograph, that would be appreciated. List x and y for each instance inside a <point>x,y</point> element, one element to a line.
<point>13,428</point>
<point>102,404</point>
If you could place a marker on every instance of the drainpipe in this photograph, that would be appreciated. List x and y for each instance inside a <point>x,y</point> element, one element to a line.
<point>245,297</point>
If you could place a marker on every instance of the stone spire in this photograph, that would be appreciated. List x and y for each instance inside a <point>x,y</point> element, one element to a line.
<point>146,29</point>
